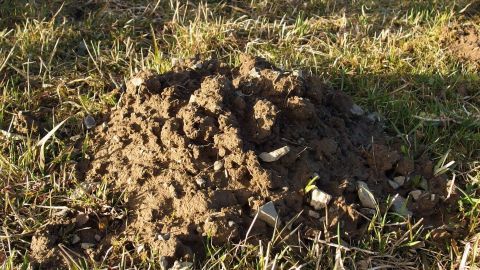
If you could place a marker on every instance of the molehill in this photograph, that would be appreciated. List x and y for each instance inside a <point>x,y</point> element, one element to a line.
<point>207,151</point>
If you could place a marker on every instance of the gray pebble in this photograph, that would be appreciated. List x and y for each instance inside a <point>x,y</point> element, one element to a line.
<point>89,122</point>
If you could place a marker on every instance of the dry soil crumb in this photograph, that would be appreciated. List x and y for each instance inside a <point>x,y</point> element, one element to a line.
<point>159,146</point>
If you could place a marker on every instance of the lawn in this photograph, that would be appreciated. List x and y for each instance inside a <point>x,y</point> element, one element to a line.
<point>416,63</point>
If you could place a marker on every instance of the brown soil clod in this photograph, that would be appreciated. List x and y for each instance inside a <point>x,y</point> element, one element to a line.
<point>159,147</point>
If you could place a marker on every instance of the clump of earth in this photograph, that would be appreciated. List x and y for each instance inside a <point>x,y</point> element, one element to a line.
<point>191,155</point>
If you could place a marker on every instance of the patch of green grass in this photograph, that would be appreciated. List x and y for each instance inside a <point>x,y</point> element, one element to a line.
<point>391,56</point>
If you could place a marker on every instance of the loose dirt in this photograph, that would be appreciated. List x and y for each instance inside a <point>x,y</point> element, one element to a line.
<point>157,148</point>
<point>464,42</point>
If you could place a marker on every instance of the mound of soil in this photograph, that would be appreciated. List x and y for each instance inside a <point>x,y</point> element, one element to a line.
<point>464,42</point>
<point>182,150</point>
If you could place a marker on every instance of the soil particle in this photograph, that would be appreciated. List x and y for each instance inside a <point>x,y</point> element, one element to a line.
<point>161,144</point>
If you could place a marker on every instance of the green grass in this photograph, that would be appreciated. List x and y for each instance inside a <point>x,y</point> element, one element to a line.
<point>391,56</point>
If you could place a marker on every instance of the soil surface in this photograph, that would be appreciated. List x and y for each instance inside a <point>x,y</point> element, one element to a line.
<point>181,152</point>
<point>464,42</point>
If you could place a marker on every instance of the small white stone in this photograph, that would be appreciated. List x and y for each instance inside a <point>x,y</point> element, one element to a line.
<point>218,165</point>
<point>197,66</point>
<point>415,194</point>
<point>254,73</point>
<point>192,99</point>
<point>173,191</point>
<point>164,236</point>
<point>400,180</point>
<point>365,195</point>
<point>137,81</point>
<point>313,214</point>
<point>89,122</point>
<point>200,181</point>
<point>298,73</point>
<point>268,214</point>
<point>274,155</point>
<point>86,245</point>
<point>231,223</point>
<point>75,239</point>
<point>356,110</point>
<point>75,138</point>
<point>319,199</point>
<point>181,265</point>
<point>176,61</point>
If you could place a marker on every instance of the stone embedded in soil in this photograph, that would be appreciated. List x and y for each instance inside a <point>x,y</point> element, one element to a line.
<point>87,245</point>
<point>268,214</point>
<point>275,154</point>
<point>397,182</point>
<point>218,165</point>
<point>319,199</point>
<point>164,236</point>
<point>393,184</point>
<point>399,206</point>
<point>200,182</point>
<point>178,265</point>
<point>400,180</point>
<point>137,81</point>
<point>357,110</point>
<point>254,73</point>
<point>415,194</point>
<point>365,195</point>
<point>89,122</point>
